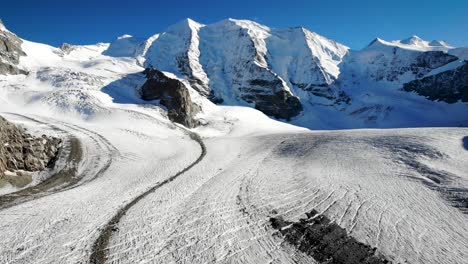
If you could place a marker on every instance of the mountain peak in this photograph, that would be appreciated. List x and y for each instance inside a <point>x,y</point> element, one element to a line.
<point>440,43</point>
<point>125,36</point>
<point>376,41</point>
<point>413,40</point>
<point>185,24</point>
<point>244,23</point>
<point>2,26</point>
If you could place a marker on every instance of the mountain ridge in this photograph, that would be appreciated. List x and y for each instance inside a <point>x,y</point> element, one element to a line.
<point>294,74</point>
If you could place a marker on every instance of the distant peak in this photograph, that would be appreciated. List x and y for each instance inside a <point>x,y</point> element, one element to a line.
<point>439,43</point>
<point>243,23</point>
<point>375,41</point>
<point>125,36</point>
<point>227,21</point>
<point>187,21</point>
<point>2,26</point>
<point>413,40</point>
<point>184,24</point>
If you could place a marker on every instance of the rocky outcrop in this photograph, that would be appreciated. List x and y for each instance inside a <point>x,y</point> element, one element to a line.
<point>66,48</point>
<point>10,52</point>
<point>326,241</point>
<point>21,151</point>
<point>430,60</point>
<point>173,94</point>
<point>280,104</point>
<point>449,86</point>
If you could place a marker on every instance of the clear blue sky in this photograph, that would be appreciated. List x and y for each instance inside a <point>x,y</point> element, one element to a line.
<point>353,22</point>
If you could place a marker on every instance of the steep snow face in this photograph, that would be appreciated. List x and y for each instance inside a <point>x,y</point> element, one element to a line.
<point>392,62</point>
<point>2,26</point>
<point>233,55</point>
<point>125,46</point>
<point>231,58</point>
<point>307,61</point>
<point>327,52</point>
<point>177,51</point>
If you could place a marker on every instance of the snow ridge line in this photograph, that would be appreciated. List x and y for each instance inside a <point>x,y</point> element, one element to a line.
<point>99,249</point>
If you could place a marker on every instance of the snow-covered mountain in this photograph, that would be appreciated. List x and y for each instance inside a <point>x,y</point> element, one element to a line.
<point>298,75</point>
<point>291,74</point>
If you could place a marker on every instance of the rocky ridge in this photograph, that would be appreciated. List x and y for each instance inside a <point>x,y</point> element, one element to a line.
<point>449,86</point>
<point>10,52</point>
<point>22,151</point>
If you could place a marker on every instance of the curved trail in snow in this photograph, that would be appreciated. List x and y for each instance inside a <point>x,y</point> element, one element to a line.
<point>68,177</point>
<point>99,249</point>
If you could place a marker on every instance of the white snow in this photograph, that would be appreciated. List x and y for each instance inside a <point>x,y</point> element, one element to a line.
<point>2,26</point>
<point>414,43</point>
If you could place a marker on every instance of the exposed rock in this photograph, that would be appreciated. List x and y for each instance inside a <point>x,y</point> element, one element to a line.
<point>66,48</point>
<point>21,151</point>
<point>10,52</point>
<point>326,241</point>
<point>430,60</point>
<point>173,94</point>
<point>449,86</point>
<point>280,103</point>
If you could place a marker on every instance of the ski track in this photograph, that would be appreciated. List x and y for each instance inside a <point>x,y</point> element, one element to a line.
<point>98,254</point>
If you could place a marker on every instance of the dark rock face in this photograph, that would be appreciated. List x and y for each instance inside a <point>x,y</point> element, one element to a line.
<point>325,241</point>
<point>173,94</point>
<point>21,151</point>
<point>10,52</point>
<point>279,104</point>
<point>430,60</point>
<point>449,86</point>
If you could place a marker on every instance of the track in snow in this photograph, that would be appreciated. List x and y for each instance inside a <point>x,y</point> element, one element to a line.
<point>98,253</point>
